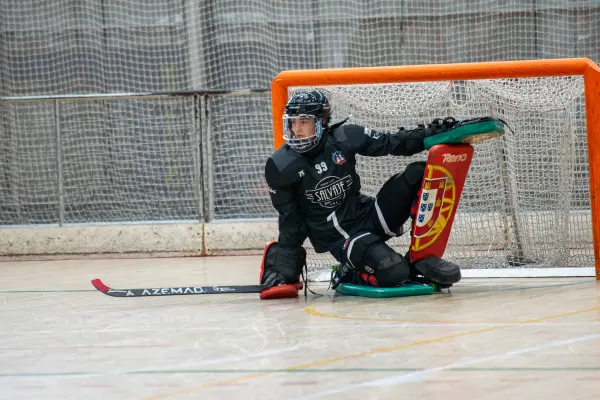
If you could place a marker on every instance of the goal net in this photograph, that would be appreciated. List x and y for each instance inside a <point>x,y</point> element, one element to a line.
<point>526,201</point>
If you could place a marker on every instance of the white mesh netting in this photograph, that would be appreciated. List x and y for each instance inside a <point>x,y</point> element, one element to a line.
<point>526,198</point>
<point>132,160</point>
<point>65,46</point>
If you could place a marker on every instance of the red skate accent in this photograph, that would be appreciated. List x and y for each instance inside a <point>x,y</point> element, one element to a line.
<point>280,292</point>
<point>368,279</point>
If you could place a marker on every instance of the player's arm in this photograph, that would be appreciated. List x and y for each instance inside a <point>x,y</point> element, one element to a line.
<point>292,229</point>
<point>404,142</point>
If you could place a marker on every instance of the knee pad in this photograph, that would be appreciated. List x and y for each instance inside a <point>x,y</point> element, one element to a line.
<point>368,252</point>
<point>394,276</point>
<point>414,173</point>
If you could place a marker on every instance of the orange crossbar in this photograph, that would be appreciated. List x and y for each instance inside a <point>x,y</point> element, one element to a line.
<point>466,71</point>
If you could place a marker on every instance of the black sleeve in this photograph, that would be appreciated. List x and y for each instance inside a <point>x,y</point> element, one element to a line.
<point>291,222</point>
<point>368,142</point>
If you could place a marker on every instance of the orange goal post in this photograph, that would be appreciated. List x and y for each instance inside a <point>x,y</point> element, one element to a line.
<point>531,203</point>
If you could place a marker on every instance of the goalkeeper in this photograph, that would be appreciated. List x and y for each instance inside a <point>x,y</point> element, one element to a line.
<point>314,186</point>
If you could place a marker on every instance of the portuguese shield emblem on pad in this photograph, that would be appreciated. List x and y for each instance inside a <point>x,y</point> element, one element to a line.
<point>435,207</point>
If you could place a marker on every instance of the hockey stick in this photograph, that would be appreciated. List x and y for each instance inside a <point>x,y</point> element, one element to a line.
<point>175,291</point>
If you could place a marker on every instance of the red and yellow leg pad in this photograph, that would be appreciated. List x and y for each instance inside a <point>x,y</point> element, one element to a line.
<point>445,175</point>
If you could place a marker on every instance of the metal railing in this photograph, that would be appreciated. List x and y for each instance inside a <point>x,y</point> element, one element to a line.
<point>124,157</point>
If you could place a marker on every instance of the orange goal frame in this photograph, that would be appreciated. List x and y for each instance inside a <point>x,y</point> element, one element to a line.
<point>465,71</point>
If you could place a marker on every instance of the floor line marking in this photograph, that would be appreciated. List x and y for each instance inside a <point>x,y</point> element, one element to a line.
<point>208,361</point>
<point>416,376</point>
<point>357,355</point>
<point>296,371</point>
<point>312,311</point>
<point>47,291</point>
<point>286,327</point>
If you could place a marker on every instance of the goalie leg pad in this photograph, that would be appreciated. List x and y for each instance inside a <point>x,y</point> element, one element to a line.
<point>442,185</point>
<point>368,252</point>
<point>269,260</point>
<point>438,270</point>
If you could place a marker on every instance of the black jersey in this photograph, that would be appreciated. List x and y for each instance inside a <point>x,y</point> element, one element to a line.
<point>317,194</point>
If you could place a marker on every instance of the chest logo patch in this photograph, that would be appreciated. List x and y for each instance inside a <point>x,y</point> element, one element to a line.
<point>338,157</point>
<point>330,192</point>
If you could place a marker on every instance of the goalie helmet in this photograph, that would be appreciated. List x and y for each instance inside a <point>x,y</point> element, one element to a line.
<point>311,105</point>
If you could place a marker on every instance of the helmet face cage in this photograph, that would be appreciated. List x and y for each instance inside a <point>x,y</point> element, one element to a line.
<point>301,144</point>
<point>306,105</point>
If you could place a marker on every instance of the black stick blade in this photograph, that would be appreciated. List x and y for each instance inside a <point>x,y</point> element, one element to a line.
<point>174,291</point>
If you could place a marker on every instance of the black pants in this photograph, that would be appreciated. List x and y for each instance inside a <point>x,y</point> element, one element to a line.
<point>392,204</point>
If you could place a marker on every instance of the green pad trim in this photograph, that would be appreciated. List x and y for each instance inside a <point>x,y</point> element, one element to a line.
<point>409,289</point>
<point>472,132</point>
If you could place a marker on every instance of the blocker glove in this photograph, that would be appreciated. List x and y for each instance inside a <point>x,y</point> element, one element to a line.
<point>414,138</point>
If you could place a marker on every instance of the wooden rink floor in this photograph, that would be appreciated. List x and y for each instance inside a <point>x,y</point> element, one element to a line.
<point>488,339</point>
